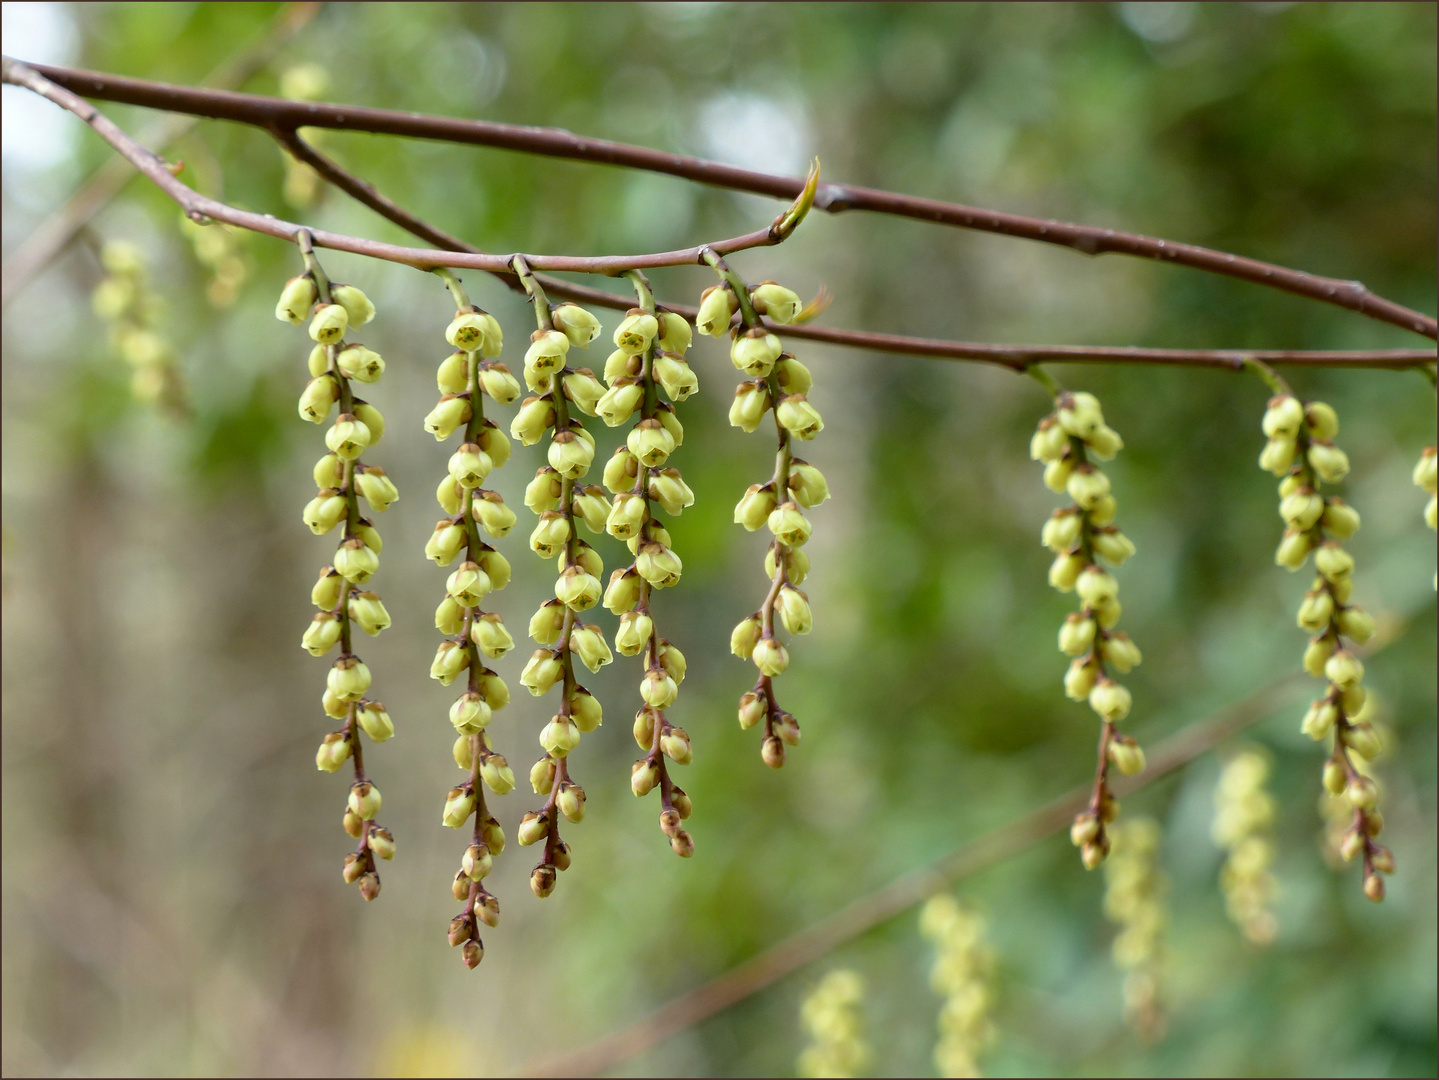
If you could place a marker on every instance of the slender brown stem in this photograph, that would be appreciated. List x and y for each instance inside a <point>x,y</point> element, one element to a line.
<point>58,230</point>
<point>1015,357</point>
<point>279,114</point>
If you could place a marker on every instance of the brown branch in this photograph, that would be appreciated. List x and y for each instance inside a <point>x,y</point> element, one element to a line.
<point>56,232</point>
<point>277,113</point>
<point>1016,357</point>
<point>201,208</point>
<point>900,895</point>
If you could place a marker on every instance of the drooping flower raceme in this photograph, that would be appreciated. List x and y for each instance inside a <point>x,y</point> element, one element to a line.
<point>1243,827</point>
<point>831,1019</point>
<point>1084,538</point>
<point>472,635</point>
<point>342,593</point>
<point>961,974</point>
<point>1302,453</point>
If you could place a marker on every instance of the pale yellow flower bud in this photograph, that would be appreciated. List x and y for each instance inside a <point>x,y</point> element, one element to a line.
<point>675,745</point>
<point>357,305</point>
<point>1361,792</point>
<point>794,610</point>
<point>335,707</point>
<point>1112,546</point>
<point>1127,755</point>
<point>550,535</point>
<point>807,484</point>
<point>571,802</point>
<point>470,713</point>
<point>620,401</point>
<point>1076,636</point>
<point>319,398</point>
<point>548,622</point>
<point>329,324</point>
<point>451,658</point>
<point>368,612</point>
<point>1104,443</point>
<point>754,508</point>
<point>796,565</point>
<point>445,417</point>
<point>789,525</point>
<point>468,585</point>
<point>348,438</point>
<point>776,303</point>
<point>1319,720</point>
<point>364,801</point>
<point>1317,654</point>
<point>322,634</point>
<point>1062,531</point>
<point>588,643</point>
<point>359,363</point>
<point>1109,699</point>
<point>536,415</point>
<point>469,465</point>
<point>585,710</point>
<point>1057,473</point>
<point>296,299</point>
<point>348,679</point>
<point>1087,485</point>
<point>675,333</point>
<point>559,737</point>
<point>1344,669</point>
<point>623,592</point>
<point>658,688</point>
<point>318,362</point>
<point>326,591</point>
<point>356,561</point>
<point>621,471</point>
<point>325,511</point>
<point>1334,778</point>
<point>644,775</point>
<point>377,488</point>
<point>1426,472</point>
<point>797,416</point>
<point>1283,417</point>
<point>669,489</point>
<point>577,324</point>
<point>1293,550</point>
<point>755,352</point>
<point>752,709</point>
<point>751,402</point>
<point>1278,455</point>
<point>496,380</point>
<point>650,442</point>
<point>677,377</point>
<point>569,455</point>
<point>582,388</point>
<point>1340,519</point>
<point>445,543</point>
<point>1096,587</point>
<point>770,656</point>
<point>717,308</point>
<point>1320,420</point>
<point>382,843</point>
<point>453,375</point>
<point>375,721</point>
<point>658,565</point>
<point>1356,623</point>
<point>473,330</point>
<point>542,775</point>
<point>459,805</point>
<point>1332,561</point>
<point>1079,679</point>
<point>1301,509</point>
<point>1330,462</point>
<point>1050,442</point>
<point>541,672</point>
<point>1079,413</point>
<point>636,331</point>
<point>577,589</point>
<point>490,511</point>
<point>634,633</point>
<point>1120,651</point>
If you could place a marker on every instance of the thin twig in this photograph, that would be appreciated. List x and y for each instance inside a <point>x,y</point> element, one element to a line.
<point>279,114</point>
<point>56,232</point>
<point>1016,357</point>
<point>202,209</point>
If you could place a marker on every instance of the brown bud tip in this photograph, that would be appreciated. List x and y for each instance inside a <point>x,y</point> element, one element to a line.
<point>1374,887</point>
<point>670,822</point>
<point>353,824</point>
<point>487,908</point>
<point>542,880</point>
<point>370,886</point>
<point>461,930</point>
<point>473,953</point>
<point>683,844</point>
<point>773,752</point>
<point>1093,855</point>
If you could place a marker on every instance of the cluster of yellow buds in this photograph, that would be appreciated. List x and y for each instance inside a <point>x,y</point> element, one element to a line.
<point>556,495</point>
<point>1301,451</point>
<point>1244,826</point>
<point>780,383</point>
<point>124,300</point>
<point>1082,536</point>
<point>1426,476</point>
<point>832,1021</point>
<point>472,635</point>
<point>1335,810</point>
<point>218,247</point>
<point>340,593</point>
<point>1134,889</point>
<point>961,975</point>
<point>649,357</point>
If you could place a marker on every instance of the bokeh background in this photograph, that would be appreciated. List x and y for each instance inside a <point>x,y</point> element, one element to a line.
<point>172,902</point>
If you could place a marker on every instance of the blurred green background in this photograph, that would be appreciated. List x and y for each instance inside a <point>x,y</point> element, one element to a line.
<point>172,902</point>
